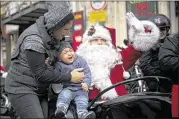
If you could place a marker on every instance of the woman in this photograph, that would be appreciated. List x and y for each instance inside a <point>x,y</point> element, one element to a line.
<point>28,77</point>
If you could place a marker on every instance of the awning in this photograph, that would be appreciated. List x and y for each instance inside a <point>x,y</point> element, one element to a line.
<point>27,15</point>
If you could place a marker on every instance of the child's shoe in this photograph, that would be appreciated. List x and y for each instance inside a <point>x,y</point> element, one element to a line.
<point>87,115</point>
<point>60,112</point>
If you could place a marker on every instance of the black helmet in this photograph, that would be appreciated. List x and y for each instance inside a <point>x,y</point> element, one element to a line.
<point>160,20</point>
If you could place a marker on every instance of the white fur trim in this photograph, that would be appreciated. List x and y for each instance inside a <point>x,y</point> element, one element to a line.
<point>144,41</point>
<point>100,32</point>
<point>100,65</point>
<point>134,22</point>
<point>109,94</point>
<point>4,75</point>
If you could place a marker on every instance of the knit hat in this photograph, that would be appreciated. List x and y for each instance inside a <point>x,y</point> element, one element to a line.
<point>57,16</point>
<point>97,31</point>
<point>63,45</point>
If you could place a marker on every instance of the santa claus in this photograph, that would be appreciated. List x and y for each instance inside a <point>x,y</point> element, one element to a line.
<point>108,66</point>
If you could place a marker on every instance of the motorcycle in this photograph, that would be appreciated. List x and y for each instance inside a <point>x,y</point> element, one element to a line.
<point>139,102</point>
<point>136,104</point>
<point>136,100</point>
<point>6,107</point>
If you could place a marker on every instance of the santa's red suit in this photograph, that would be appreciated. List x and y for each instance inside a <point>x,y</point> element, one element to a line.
<point>108,65</point>
<point>117,72</point>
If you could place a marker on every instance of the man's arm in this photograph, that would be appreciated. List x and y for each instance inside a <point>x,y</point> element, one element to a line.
<point>130,56</point>
<point>169,54</point>
<point>145,64</point>
<point>143,35</point>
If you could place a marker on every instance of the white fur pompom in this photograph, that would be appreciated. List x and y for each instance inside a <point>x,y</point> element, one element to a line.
<point>126,75</point>
<point>4,75</point>
<point>144,41</point>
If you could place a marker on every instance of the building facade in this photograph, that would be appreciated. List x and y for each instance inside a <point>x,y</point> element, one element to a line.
<point>115,14</point>
<point>112,15</point>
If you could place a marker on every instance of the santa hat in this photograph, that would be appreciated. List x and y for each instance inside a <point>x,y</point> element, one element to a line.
<point>97,31</point>
<point>2,69</point>
<point>3,74</point>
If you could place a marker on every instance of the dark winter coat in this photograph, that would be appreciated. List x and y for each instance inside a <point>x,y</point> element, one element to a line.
<point>28,72</point>
<point>169,57</point>
<point>149,62</point>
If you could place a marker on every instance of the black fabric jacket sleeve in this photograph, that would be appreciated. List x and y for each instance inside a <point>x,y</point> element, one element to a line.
<point>43,73</point>
<point>169,54</point>
<point>149,63</point>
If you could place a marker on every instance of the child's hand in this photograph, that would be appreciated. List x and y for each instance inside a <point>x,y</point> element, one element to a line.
<point>84,86</point>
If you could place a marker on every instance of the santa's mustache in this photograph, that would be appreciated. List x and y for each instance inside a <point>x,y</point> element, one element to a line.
<point>101,55</point>
<point>98,48</point>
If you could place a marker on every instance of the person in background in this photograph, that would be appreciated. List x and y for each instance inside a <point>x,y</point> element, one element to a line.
<point>149,61</point>
<point>169,57</point>
<point>169,64</point>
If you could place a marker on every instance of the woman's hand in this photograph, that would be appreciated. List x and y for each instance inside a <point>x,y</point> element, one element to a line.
<point>77,75</point>
<point>48,62</point>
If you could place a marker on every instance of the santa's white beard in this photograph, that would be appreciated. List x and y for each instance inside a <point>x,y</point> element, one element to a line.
<point>100,59</point>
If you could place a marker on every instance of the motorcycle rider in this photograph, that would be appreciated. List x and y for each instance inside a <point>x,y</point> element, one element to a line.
<point>149,62</point>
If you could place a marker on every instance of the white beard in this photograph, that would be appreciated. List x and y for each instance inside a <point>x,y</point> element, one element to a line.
<point>101,59</point>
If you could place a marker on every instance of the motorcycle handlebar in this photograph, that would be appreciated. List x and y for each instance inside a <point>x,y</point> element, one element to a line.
<point>125,82</point>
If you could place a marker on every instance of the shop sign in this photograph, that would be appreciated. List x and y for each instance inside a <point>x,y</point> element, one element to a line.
<point>142,9</point>
<point>97,16</point>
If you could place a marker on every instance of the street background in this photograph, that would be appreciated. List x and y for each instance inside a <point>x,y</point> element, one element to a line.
<point>18,15</point>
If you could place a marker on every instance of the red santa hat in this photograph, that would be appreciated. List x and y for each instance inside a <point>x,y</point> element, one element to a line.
<point>1,69</point>
<point>97,31</point>
<point>2,72</point>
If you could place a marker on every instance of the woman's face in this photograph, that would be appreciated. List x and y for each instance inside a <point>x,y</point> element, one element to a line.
<point>67,55</point>
<point>64,31</point>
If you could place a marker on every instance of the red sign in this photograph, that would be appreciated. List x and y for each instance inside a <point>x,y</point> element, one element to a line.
<point>77,30</point>
<point>142,6</point>
<point>142,9</point>
<point>98,5</point>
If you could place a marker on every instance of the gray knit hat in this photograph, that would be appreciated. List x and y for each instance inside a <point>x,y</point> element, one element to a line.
<point>57,16</point>
<point>63,45</point>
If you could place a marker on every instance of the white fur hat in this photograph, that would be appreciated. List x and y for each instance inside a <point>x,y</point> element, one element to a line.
<point>100,31</point>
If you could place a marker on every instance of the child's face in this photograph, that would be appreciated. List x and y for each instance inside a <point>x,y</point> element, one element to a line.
<point>67,55</point>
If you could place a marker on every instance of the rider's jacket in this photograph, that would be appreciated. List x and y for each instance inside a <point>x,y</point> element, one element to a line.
<point>169,57</point>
